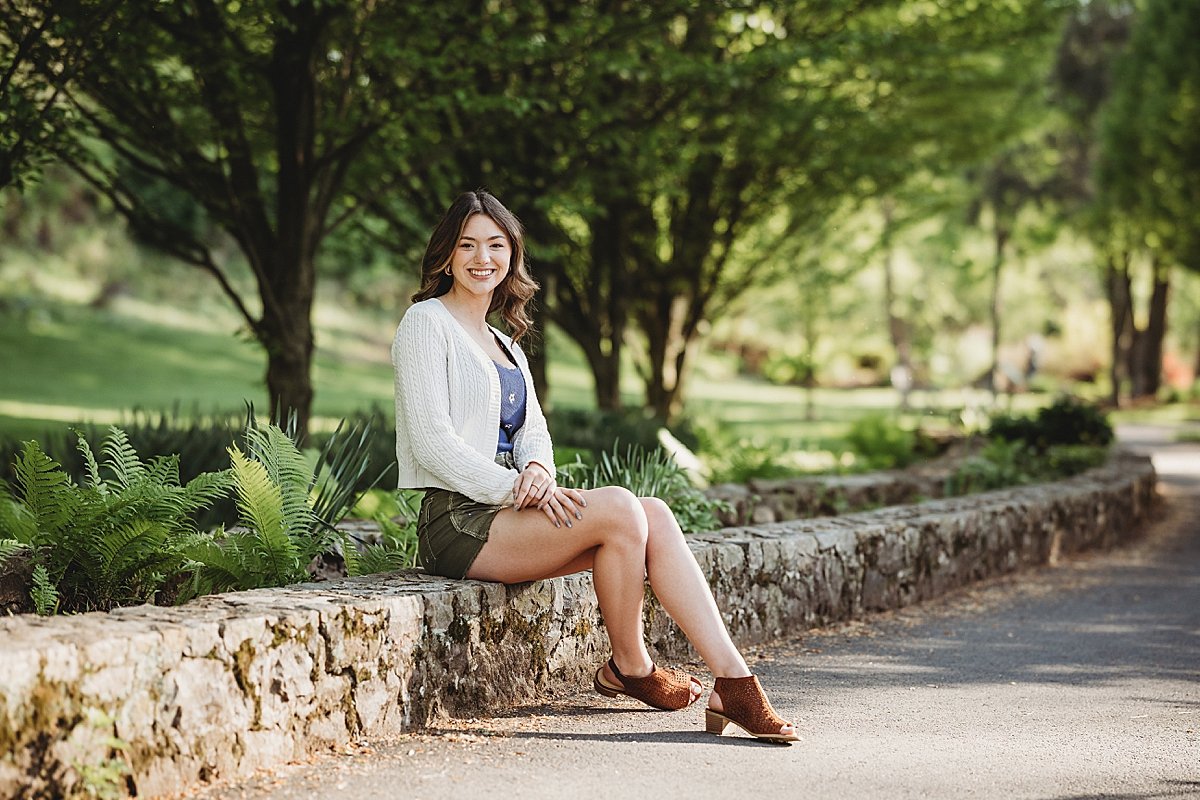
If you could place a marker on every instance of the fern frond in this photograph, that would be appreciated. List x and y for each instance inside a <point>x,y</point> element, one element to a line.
<point>261,504</point>
<point>350,554</point>
<point>92,468</point>
<point>206,487</point>
<point>259,499</point>
<point>221,568</point>
<point>163,470</point>
<point>16,522</point>
<point>43,592</point>
<point>136,541</point>
<point>291,471</point>
<point>378,558</point>
<point>46,487</point>
<point>120,457</point>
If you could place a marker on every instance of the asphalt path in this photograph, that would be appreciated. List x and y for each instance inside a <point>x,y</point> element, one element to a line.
<point>1077,681</point>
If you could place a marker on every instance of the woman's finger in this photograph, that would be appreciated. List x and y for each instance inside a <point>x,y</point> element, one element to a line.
<point>568,504</point>
<point>554,511</point>
<point>529,488</point>
<point>578,499</point>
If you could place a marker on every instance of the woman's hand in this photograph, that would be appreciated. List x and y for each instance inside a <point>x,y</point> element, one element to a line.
<point>536,487</point>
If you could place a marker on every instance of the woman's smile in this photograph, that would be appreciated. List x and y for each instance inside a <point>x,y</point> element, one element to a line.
<point>481,257</point>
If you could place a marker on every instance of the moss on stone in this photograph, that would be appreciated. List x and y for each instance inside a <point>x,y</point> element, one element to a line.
<point>243,660</point>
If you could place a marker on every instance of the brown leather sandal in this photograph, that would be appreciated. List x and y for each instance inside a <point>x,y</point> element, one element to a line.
<point>744,704</point>
<point>664,688</point>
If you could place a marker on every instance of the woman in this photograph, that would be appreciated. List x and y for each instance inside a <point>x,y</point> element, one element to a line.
<point>470,432</point>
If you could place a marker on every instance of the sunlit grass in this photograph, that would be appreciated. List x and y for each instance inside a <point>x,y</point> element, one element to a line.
<point>66,362</point>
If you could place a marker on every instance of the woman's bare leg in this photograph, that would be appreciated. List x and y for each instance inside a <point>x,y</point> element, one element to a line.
<point>525,545</point>
<point>680,586</point>
<point>684,593</point>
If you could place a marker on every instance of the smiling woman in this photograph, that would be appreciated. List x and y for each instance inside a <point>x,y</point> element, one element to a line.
<point>470,432</point>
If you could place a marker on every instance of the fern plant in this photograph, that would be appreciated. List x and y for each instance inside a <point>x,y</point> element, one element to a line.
<point>396,514</point>
<point>122,536</point>
<point>289,502</point>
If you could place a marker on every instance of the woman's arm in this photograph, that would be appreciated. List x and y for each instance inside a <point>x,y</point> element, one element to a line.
<point>419,354</point>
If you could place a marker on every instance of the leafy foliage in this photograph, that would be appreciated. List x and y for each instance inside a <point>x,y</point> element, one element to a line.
<point>742,460</point>
<point>199,441</point>
<point>1067,421</point>
<point>397,545</point>
<point>1004,463</point>
<point>647,473</point>
<point>289,503</point>
<point>884,444</point>
<point>115,539</point>
<point>598,431</point>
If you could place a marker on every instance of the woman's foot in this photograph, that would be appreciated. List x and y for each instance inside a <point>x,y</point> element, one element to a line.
<point>662,687</point>
<point>742,702</point>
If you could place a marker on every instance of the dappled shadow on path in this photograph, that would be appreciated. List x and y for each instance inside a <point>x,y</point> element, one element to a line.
<point>1133,614</point>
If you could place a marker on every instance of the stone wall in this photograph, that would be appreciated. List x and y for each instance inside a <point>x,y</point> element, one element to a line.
<point>234,682</point>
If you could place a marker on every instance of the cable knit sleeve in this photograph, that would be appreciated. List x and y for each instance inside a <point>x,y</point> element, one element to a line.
<point>421,355</point>
<point>532,442</point>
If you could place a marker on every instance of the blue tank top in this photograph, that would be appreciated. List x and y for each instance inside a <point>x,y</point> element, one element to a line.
<point>512,406</point>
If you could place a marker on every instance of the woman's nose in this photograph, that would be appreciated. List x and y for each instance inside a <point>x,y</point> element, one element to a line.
<point>482,256</point>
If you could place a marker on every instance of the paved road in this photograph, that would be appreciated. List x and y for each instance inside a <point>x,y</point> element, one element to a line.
<point>1081,681</point>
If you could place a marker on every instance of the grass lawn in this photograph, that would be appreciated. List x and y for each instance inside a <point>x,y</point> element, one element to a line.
<point>65,362</point>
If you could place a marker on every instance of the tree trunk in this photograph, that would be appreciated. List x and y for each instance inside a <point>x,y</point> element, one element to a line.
<point>666,352</point>
<point>1148,374</point>
<point>996,306</point>
<point>897,328</point>
<point>286,327</point>
<point>286,333</point>
<point>1196,368</point>
<point>1121,321</point>
<point>289,372</point>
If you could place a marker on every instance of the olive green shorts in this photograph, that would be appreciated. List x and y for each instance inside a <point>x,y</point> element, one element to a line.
<point>452,529</point>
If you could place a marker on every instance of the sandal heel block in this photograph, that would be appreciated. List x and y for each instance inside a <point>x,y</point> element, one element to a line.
<point>714,722</point>
<point>746,705</point>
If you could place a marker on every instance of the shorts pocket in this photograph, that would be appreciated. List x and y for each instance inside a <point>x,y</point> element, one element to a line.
<point>471,520</point>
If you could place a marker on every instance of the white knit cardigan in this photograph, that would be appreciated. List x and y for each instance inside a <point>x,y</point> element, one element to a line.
<point>448,409</point>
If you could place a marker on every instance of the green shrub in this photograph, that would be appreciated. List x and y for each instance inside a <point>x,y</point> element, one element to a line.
<point>647,473</point>
<point>745,460</point>
<point>1000,464</point>
<point>202,441</point>
<point>788,370</point>
<point>1067,421</point>
<point>882,443</point>
<point>1064,460</point>
<point>1003,463</point>
<point>600,431</point>
<point>199,441</point>
<point>107,541</point>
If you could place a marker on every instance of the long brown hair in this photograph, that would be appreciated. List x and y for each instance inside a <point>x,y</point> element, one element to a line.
<point>512,296</point>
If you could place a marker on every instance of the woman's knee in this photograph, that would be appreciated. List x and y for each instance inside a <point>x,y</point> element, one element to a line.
<point>621,515</point>
<point>658,513</point>
<point>662,527</point>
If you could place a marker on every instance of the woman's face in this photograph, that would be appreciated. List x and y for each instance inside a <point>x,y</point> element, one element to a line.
<point>481,256</point>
